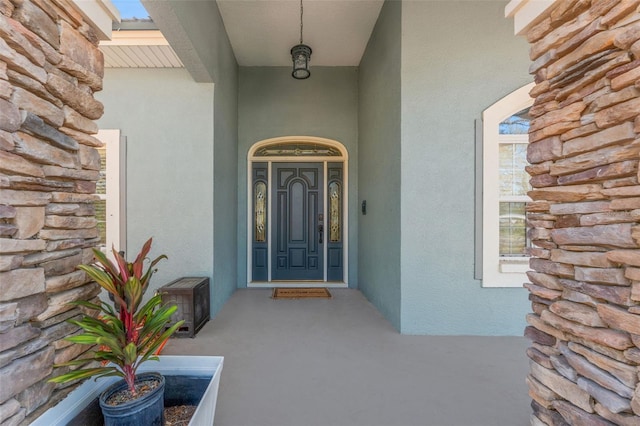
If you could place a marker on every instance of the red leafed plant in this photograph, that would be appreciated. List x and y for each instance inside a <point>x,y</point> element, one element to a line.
<point>126,333</point>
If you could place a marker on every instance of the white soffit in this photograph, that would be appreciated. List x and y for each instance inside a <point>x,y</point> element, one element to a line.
<point>139,49</point>
<point>262,32</point>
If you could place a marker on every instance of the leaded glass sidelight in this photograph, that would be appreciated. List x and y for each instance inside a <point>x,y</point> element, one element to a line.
<point>260,211</point>
<point>335,199</point>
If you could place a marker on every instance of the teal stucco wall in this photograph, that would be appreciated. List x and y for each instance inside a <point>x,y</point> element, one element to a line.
<point>379,160</point>
<point>169,181</point>
<point>458,58</point>
<point>273,104</point>
<point>197,31</point>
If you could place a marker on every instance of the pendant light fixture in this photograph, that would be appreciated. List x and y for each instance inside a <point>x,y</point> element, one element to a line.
<point>300,55</point>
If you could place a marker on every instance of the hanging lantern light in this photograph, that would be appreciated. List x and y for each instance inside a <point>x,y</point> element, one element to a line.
<point>301,55</point>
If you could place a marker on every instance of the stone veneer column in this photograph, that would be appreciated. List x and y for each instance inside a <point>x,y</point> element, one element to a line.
<point>584,154</point>
<point>50,67</point>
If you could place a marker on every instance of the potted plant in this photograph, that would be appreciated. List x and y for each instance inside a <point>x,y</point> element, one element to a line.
<point>126,335</point>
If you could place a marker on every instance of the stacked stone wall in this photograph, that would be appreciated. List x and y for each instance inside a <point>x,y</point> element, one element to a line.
<point>50,67</point>
<point>584,219</point>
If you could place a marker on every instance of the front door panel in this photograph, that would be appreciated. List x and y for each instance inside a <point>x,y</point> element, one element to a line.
<point>298,226</point>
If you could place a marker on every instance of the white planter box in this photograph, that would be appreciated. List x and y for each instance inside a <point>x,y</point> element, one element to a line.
<point>175,365</point>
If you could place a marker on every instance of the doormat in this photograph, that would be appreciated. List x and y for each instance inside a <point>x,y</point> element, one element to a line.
<point>300,293</point>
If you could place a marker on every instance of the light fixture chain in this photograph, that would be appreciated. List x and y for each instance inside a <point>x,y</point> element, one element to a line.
<point>301,11</point>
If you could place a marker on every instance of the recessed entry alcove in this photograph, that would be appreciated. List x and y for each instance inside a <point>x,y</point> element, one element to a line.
<point>297,214</point>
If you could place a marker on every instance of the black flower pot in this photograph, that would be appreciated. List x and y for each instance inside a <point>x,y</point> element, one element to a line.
<point>147,410</point>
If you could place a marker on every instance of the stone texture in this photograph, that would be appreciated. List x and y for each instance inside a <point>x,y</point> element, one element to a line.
<point>576,416</point>
<point>90,158</point>
<point>615,236</point>
<point>62,266</point>
<point>607,337</point>
<point>622,419</point>
<point>65,282</point>
<point>29,220</point>
<point>610,400</point>
<point>42,152</point>
<point>20,63</point>
<point>620,133</point>
<point>37,127</point>
<point>605,218</point>
<point>79,50</point>
<point>596,158</point>
<point>72,95</point>
<point>8,409</point>
<point>16,39</point>
<point>614,294</point>
<point>36,20</point>
<point>19,283</point>
<point>613,276</point>
<point>70,222</point>
<point>577,312</point>
<point>24,372</point>
<point>585,369</point>
<point>625,373</point>
<point>619,319</point>
<point>59,302</point>
<point>82,138</point>
<point>40,107</point>
<point>77,121</point>
<point>561,386</point>
<point>12,163</point>
<point>17,336</point>
<point>584,258</point>
<point>10,119</point>
<point>29,307</point>
<point>35,396</point>
<point>64,234</point>
<point>11,246</point>
<point>598,173</point>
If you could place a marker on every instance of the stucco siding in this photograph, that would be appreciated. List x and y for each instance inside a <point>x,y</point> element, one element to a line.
<point>169,164</point>
<point>273,104</point>
<point>458,58</point>
<point>379,158</point>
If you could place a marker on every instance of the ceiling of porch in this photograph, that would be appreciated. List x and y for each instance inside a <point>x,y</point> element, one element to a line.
<point>261,33</point>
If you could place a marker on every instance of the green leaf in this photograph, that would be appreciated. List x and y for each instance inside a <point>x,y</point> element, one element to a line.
<point>130,354</point>
<point>150,350</point>
<point>85,373</point>
<point>133,293</point>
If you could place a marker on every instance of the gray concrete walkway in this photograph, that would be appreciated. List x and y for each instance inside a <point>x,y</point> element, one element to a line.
<point>338,362</point>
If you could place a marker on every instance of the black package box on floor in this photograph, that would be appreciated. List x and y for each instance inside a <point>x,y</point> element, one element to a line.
<point>191,295</point>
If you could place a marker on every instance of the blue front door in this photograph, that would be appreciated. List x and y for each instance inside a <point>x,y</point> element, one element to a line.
<point>298,224</point>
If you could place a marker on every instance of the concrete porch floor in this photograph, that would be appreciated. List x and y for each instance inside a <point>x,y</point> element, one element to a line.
<point>338,362</point>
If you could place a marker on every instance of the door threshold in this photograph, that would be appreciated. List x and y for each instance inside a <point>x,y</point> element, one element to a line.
<point>297,284</point>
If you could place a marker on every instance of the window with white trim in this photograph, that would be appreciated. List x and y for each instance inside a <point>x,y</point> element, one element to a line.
<point>505,184</point>
<point>110,210</point>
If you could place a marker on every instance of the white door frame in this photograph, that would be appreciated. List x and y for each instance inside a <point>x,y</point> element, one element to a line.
<point>251,158</point>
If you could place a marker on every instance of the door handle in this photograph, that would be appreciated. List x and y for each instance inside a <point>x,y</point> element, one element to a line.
<point>320,232</point>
